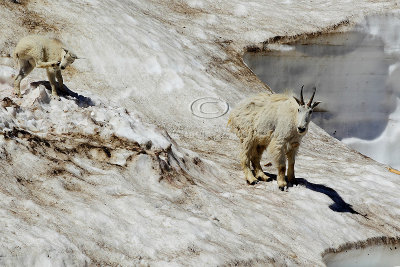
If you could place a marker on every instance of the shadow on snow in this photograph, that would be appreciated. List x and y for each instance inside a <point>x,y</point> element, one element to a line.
<point>339,205</point>
<point>80,100</point>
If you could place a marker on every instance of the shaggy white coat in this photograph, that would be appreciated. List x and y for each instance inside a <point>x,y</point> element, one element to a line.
<point>269,122</point>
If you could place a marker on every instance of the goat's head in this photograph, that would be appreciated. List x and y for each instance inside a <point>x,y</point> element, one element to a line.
<point>67,58</point>
<point>304,112</point>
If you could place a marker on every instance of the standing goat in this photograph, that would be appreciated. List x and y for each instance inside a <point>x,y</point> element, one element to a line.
<point>274,122</point>
<point>42,52</point>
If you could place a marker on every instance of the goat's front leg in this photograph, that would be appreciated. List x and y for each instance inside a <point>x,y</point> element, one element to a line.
<point>52,79</point>
<point>281,174</point>
<point>291,160</point>
<point>60,80</point>
<point>276,150</point>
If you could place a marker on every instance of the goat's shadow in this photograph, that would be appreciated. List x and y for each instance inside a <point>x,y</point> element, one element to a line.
<point>338,205</point>
<point>81,100</point>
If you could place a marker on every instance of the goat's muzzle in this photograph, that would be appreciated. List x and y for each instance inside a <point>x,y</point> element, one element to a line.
<point>301,129</point>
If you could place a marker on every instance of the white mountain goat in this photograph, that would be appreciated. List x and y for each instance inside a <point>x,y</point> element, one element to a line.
<point>41,52</point>
<point>274,122</point>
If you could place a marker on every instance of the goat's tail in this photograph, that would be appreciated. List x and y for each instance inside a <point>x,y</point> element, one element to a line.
<point>231,125</point>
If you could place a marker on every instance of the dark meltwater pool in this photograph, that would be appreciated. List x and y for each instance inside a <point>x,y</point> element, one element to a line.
<point>357,76</point>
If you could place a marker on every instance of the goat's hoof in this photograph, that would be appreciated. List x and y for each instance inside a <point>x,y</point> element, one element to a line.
<point>282,185</point>
<point>56,97</point>
<point>262,177</point>
<point>254,182</point>
<point>284,188</point>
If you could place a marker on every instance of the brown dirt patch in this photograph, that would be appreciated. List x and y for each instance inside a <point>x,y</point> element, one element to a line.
<point>183,8</point>
<point>29,19</point>
<point>298,37</point>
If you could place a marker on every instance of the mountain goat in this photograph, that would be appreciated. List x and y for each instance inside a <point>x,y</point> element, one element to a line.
<point>41,52</point>
<point>274,122</point>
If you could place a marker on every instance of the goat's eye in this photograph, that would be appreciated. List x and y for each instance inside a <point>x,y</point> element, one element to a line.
<point>298,110</point>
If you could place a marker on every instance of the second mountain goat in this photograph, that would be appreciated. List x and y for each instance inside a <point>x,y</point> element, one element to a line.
<point>42,52</point>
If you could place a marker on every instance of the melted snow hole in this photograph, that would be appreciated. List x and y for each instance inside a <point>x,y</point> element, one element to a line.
<point>379,255</point>
<point>357,75</point>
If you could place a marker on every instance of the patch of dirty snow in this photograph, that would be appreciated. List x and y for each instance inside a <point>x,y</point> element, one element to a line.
<point>39,113</point>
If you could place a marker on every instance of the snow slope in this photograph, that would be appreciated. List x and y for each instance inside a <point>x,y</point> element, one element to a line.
<point>91,179</point>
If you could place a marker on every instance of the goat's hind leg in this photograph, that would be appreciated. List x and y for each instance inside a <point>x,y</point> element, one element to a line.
<point>245,161</point>
<point>245,158</point>
<point>25,68</point>
<point>259,173</point>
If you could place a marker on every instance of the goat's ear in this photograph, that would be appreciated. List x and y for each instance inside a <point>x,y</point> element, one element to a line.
<point>297,100</point>
<point>315,104</point>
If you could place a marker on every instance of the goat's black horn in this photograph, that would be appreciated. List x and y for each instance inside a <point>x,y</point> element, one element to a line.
<point>301,96</point>
<point>312,97</point>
